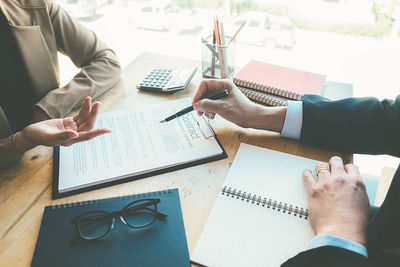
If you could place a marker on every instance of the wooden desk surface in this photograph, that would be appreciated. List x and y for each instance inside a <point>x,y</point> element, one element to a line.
<point>25,187</point>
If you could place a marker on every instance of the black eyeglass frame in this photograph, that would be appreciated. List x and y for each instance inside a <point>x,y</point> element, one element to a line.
<point>120,214</point>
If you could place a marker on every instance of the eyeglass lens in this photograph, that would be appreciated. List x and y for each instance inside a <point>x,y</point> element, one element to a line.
<point>94,225</point>
<point>142,216</point>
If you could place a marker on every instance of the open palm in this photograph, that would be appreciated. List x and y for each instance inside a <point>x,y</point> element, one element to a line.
<point>66,131</point>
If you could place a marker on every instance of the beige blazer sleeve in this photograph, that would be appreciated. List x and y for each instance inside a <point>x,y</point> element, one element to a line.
<point>8,151</point>
<point>99,65</point>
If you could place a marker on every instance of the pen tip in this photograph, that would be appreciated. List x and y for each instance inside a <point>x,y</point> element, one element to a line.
<point>162,121</point>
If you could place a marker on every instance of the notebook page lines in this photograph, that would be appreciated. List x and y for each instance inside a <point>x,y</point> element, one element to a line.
<point>247,234</point>
<point>270,174</point>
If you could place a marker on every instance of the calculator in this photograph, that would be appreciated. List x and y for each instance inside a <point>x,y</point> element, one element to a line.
<point>166,80</point>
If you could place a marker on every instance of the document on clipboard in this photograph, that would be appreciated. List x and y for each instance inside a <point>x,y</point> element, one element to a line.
<point>138,146</point>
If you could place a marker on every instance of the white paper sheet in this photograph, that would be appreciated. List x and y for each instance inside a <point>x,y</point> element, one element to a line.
<point>138,144</point>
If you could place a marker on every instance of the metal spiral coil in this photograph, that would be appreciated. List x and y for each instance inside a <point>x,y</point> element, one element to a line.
<point>265,202</point>
<point>105,200</point>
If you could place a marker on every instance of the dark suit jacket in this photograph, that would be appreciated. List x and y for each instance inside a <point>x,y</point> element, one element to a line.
<point>357,125</point>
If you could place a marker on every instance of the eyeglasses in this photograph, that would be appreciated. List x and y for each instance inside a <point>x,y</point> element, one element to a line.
<point>137,214</point>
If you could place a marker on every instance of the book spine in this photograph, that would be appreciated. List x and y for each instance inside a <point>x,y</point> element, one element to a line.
<point>265,202</point>
<point>263,99</point>
<point>267,89</point>
<point>105,200</point>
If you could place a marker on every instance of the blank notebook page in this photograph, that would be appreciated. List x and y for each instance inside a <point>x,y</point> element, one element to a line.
<point>243,233</point>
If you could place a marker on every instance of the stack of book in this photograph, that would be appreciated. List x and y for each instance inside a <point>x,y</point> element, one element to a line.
<point>274,85</point>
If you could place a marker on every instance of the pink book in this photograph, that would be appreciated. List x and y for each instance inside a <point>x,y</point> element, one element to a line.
<point>277,80</point>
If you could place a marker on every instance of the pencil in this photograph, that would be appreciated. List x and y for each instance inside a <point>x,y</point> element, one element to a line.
<point>223,62</point>
<point>220,50</point>
<point>213,57</point>
<point>219,33</point>
<point>236,33</point>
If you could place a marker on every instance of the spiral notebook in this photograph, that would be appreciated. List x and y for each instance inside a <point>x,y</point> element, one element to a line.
<point>263,97</point>
<point>260,216</point>
<point>277,80</point>
<point>163,243</point>
<point>331,90</point>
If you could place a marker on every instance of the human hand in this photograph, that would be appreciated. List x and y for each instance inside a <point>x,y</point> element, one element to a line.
<point>337,200</point>
<point>64,131</point>
<point>236,107</point>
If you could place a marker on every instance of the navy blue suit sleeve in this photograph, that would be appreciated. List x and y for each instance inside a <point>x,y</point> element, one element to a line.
<point>328,257</point>
<point>352,125</point>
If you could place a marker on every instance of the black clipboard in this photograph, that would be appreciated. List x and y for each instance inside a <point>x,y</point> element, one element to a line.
<point>56,160</point>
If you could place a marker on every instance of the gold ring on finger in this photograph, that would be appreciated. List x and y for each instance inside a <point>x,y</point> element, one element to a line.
<point>322,169</point>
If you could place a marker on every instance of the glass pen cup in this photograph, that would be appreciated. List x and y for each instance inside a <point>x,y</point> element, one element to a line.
<point>218,61</point>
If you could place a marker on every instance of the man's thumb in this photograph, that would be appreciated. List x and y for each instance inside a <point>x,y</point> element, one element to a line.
<point>207,105</point>
<point>68,134</point>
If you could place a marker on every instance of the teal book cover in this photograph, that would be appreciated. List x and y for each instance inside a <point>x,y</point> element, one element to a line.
<point>163,243</point>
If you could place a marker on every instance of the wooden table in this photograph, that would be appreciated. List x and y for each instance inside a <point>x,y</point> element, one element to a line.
<point>25,187</point>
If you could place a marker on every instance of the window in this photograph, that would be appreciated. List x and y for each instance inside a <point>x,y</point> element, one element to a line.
<point>147,9</point>
<point>254,23</point>
<point>349,40</point>
<point>239,22</point>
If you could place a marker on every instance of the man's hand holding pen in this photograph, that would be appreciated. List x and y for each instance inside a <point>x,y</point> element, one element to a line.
<point>224,98</point>
<point>228,107</point>
<point>221,94</point>
<point>236,107</point>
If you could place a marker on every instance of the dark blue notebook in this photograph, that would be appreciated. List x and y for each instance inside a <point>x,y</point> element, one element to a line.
<point>163,243</point>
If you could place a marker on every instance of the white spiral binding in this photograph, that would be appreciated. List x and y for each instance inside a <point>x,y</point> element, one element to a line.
<point>268,89</point>
<point>105,200</point>
<point>264,202</point>
<point>262,98</point>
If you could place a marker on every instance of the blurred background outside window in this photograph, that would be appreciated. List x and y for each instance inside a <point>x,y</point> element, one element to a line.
<point>353,41</point>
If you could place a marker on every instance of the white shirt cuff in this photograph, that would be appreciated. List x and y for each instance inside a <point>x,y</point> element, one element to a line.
<point>331,240</point>
<point>293,120</point>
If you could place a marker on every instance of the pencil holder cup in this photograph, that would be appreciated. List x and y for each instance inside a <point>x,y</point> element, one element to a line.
<point>218,61</point>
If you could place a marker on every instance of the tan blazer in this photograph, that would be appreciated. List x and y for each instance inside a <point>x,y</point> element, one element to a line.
<point>41,29</point>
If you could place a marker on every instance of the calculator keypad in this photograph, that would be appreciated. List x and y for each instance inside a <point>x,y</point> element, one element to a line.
<point>166,80</point>
<point>157,78</point>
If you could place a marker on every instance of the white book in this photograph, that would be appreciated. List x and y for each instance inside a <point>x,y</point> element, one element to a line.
<point>260,217</point>
<point>138,146</point>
